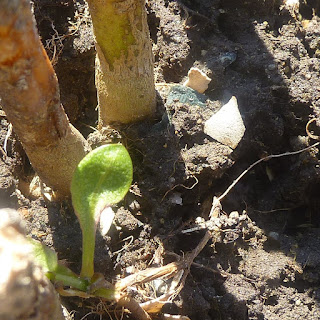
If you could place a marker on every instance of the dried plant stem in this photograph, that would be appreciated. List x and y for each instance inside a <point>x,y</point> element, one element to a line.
<point>134,307</point>
<point>147,275</point>
<point>30,97</point>
<point>178,270</point>
<point>271,156</point>
<point>189,259</point>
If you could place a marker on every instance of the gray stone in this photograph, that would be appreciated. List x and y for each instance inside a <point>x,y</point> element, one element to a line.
<point>226,126</point>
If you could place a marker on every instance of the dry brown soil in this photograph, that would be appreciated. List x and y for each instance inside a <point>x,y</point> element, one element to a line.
<point>266,268</point>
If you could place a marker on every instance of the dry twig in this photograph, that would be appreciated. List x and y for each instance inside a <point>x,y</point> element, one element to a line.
<point>271,156</point>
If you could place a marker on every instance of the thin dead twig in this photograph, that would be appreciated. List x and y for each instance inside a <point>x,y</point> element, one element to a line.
<point>179,279</point>
<point>310,135</point>
<point>271,156</point>
<point>273,210</point>
<point>183,186</point>
<point>199,265</point>
<point>178,270</point>
<point>3,153</point>
<point>190,257</point>
<point>147,275</point>
<point>7,138</point>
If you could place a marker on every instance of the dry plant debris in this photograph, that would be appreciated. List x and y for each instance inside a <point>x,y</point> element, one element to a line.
<point>218,223</point>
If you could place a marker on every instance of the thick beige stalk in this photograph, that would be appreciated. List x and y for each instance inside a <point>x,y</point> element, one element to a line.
<point>29,94</point>
<point>124,63</point>
<point>25,292</point>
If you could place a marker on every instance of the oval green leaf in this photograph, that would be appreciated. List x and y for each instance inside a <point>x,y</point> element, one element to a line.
<point>44,256</point>
<point>101,179</point>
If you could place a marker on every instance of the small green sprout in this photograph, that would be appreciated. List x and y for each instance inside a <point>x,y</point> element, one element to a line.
<point>56,272</point>
<point>101,179</point>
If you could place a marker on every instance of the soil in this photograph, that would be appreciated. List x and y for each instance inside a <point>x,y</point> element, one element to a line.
<point>265,265</point>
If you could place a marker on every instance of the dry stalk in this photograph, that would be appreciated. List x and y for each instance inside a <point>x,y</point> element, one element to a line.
<point>29,94</point>
<point>178,270</point>
<point>148,275</point>
<point>167,316</point>
<point>188,260</point>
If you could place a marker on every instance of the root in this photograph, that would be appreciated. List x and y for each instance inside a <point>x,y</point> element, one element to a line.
<point>310,135</point>
<point>133,306</point>
<point>271,156</point>
<point>176,270</point>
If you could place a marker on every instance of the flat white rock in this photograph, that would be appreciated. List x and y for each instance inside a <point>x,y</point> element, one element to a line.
<point>197,80</point>
<point>226,125</point>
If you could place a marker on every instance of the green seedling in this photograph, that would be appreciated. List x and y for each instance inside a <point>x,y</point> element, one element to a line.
<point>101,179</point>
<point>56,272</point>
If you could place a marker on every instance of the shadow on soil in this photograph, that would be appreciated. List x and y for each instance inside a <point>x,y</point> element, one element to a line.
<point>263,57</point>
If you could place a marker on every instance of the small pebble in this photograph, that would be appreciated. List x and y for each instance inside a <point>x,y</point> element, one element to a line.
<point>176,199</point>
<point>273,235</point>
<point>199,220</point>
<point>234,215</point>
<point>134,205</point>
<point>308,76</point>
<point>272,67</point>
<point>226,126</point>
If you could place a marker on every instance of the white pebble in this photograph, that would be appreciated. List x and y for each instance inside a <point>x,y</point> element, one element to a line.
<point>197,80</point>
<point>226,126</point>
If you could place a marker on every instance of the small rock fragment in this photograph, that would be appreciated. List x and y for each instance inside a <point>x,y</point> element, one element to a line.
<point>197,80</point>
<point>273,235</point>
<point>186,95</point>
<point>227,58</point>
<point>176,199</point>
<point>226,126</point>
<point>134,206</point>
<point>234,215</point>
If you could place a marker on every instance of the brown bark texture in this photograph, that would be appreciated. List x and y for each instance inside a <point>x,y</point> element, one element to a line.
<point>29,94</point>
